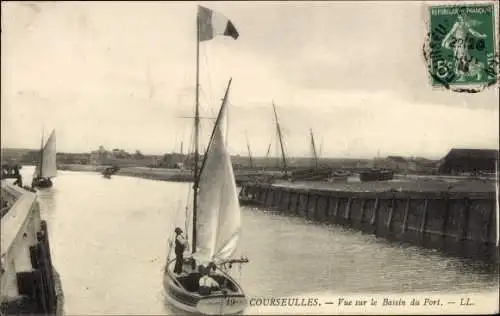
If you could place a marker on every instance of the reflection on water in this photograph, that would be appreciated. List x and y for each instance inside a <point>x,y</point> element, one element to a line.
<point>109,243</point>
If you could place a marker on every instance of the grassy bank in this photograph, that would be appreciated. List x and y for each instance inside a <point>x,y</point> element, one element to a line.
<point>162,174</point>
<point>139,172</point>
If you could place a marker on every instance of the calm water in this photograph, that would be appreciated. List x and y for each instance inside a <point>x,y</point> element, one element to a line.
<point>109,244</point>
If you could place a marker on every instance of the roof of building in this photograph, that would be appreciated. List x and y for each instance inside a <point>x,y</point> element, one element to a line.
<point>472,153</point>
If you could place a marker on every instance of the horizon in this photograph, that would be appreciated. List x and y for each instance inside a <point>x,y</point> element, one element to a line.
<point>259,157</point>
<point>129,87</point>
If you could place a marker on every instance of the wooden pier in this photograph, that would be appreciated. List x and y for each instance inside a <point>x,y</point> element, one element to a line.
<point>29,283</point>
<point>459,218</point>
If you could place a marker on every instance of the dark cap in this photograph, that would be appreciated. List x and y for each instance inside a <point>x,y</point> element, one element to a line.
<point>178,230</point>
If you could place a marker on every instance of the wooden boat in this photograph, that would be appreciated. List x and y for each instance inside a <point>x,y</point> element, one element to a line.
<point>213,221</point>
<point>245,198</point>
<point>217,199</point>
<point>376,175</point>
<point>338,175</point>
<point>47,167</point>
<point>109,171</point>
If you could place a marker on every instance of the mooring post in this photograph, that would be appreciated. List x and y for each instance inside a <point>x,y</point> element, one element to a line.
<point>488,224</point>
<point>362,211</point>
<point>327,208</point>
<point>375,211</point>
<point>288,200</point>
<point>444,227</point>
<point>424,218</point>
<point>308,196</point>
<point>391,212</point>
<point>465,220</point>
<point>278,203</point>
<point>404,226</point>
<point>347,214</point>
<point>337,207</point>
<point>315,207</point>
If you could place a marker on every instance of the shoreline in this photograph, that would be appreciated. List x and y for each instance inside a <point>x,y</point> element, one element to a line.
<point>411,182</point>
<point>159,174</point>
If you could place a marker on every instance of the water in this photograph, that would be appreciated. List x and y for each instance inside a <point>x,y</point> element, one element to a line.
<point>109,244</point>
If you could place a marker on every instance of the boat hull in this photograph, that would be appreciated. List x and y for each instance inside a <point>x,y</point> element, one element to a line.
<point>217,303</point>
<point>376,175</point>
<point>42,183</point>
<point>337,178</point>
<point>247,201</point>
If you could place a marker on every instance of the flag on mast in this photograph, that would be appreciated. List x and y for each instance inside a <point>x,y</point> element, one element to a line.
<point>211,24</point>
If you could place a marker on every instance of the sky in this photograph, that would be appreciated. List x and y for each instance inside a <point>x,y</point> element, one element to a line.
<point>122,75</point>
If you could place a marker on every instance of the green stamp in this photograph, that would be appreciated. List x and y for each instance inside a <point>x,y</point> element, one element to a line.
<point>461,48</point>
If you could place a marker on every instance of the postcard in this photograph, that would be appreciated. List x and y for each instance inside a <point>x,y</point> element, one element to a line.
<point>255,158</point>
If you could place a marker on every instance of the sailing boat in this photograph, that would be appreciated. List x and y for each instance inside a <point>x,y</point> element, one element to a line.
<point>314,172</point>
<point>283,173</point>
<point>216,223</point>
<point>215,217</point>
<point>46,168</point>
<point>245,198</point>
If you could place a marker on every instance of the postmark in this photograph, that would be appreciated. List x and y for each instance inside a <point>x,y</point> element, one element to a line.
<point>461,50</point>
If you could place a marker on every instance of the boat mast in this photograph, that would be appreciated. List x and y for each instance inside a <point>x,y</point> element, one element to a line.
<point>280,138</point>
<point>249,151</point>
<point>313,146</point>
<point>196,133</point>
<point>41,156</point>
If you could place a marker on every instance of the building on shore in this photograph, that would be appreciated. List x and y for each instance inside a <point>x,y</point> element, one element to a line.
<point>459,161</point>
<point>174,160</point>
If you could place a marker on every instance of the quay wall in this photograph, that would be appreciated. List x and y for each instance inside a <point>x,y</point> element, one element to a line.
<point>460,223</point>
<point>29,283</point>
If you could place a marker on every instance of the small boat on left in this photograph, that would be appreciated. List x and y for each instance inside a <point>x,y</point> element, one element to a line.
<point>46,167</point>
<point>109,171</point>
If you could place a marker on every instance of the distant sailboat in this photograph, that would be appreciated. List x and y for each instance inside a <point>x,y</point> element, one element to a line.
<point>376,174</point>
<point>247,199</point>
<point>282,146</point>
<point>109,171</point>
<point>47,167</point>
<point>250,159</point>
<point>315,158</point>
<point>315,172</point>
<point>214,221</point>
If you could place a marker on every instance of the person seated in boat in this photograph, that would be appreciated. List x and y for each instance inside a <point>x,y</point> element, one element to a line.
<point>206,284</point>
<point>180,247</point>
<point>189,265</point>
<point>211,267</point>
<point>19,180</point>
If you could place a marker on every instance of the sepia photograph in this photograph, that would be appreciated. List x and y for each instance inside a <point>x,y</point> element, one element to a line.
<point>250,157</point>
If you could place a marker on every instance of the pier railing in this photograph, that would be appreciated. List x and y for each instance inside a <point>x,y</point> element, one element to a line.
<point>27,276</point>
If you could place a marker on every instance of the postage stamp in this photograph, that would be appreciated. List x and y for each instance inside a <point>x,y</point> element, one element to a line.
<point>461,53</point>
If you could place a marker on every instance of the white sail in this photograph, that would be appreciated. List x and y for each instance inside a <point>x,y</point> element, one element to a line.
<point>48,164</point>
<point>218,214</point>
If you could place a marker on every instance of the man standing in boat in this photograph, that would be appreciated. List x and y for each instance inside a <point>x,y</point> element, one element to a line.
<point>180,247</point>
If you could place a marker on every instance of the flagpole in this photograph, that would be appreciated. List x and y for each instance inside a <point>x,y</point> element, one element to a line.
<point>196,133</point>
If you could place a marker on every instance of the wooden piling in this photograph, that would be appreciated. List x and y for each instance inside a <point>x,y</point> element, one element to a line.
<point>404,226</point>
